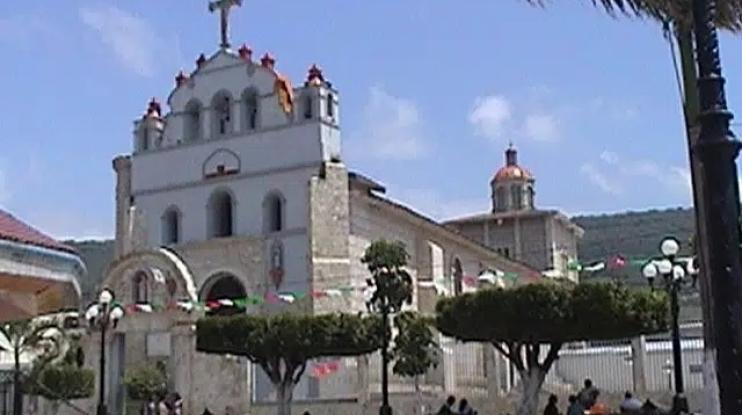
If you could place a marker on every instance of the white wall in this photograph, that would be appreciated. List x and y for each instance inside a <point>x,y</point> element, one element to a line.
<point>249,194</point>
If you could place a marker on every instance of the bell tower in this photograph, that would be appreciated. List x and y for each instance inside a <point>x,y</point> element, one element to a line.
<point>512,186</point>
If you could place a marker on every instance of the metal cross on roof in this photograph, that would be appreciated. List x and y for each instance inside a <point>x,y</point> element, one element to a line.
<point>224,7</point>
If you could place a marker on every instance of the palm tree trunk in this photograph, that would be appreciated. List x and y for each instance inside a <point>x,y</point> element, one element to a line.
<point>17,392</point>
<point>691,112</point>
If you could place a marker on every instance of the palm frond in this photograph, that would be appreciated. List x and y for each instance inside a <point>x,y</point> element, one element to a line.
<point>679,12</point>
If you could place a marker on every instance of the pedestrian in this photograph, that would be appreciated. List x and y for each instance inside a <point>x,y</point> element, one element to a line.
<point>163,408</point>
<point>177,404</point>
<point>551,407</point>
<point>150,407</point>
<point>588,395</point>
<point>574,407</point>
<point>447,407</point>
<point>630,405</point>
<point>465,409</point>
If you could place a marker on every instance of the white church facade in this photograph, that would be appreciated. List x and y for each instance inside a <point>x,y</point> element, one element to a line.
<point>236,199</point>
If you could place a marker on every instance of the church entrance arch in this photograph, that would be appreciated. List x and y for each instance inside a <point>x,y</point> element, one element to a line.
<point>223,286</point>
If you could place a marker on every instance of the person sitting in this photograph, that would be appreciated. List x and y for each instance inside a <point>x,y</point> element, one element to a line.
<point>447,407</point>
<point>551,406</point>
<point>574,407</point>
<point>630,405</point>
<point>465,409</point>
<point>588,395</point>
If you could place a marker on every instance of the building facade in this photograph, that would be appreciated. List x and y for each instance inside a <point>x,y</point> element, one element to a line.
<point>544,239</point>
<point>237,200</point>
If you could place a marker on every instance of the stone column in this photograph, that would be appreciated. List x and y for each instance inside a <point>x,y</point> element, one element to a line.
<point>362,385</point>
<point>638,366</point>
<point>122,166</point>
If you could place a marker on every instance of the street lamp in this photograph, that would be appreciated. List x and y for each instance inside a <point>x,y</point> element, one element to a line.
<point>100,316</point>
<point>673,275</point>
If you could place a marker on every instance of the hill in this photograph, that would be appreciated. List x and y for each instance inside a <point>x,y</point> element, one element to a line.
<point>96,255</point>
<point>633,234</point>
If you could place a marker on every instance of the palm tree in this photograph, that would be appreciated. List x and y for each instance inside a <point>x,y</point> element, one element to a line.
<point>677,19</point>
<point>40,338</point>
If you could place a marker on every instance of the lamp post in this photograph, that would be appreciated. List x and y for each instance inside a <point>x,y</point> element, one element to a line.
<point>717,150</point>
<point>100,316</point>
<point>673,275</point>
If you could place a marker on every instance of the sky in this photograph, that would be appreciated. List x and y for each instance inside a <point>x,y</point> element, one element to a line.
<point>431,93</point>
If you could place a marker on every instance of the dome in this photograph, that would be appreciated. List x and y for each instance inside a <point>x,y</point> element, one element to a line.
<point>511,170</point>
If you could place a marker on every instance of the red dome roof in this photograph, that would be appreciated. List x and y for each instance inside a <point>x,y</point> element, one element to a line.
<point>512,172</point>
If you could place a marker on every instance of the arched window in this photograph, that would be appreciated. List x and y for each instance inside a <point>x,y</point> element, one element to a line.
<point>308,103</point>
<point>516,196</point>
<point>223,287</point>
<point>530,197</point>
<point>143,138</point>
<point>273,212</point>
<point>330,105</point>
<point>140,288</point>
<point>221,214</point>
<point>172,286</point>
<point>171,226</point>
<point>458,277</point>
<point>501,195</point>
<point>192,124</point>
<point>250,109</point>
<point>222,110</point>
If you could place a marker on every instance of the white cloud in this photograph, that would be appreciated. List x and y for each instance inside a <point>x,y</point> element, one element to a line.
<point>599,179</point>
<point>131,39</point>
<point>392,129</point>
<point>609,157</point>
<point>617,173</point>
<point>541,127</point>
<point>490,116</point>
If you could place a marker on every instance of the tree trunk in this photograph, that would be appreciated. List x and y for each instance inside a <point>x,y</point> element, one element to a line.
<point>284,394</point>
<point>17,389</point>
<point>531,381</point>
<point>418,397</point>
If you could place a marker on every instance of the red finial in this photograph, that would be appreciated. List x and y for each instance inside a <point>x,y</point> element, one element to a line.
<point>268,61</point>
<point>200,61</point>
<point>314,76</point>
<point>245,52</point>
<point>180,79</point>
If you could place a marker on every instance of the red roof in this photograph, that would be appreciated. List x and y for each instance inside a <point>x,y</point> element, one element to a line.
<point>513,172</point>
<point>12,229</point>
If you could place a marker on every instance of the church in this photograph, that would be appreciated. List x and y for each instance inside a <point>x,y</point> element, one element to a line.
<point>235,199</point>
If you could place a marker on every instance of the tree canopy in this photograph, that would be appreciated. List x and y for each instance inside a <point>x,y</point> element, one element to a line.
<point>415,349</point>
<point>283,344</point>
<point>551,312</point>
<point>386,261</point>
<point>518,322</point>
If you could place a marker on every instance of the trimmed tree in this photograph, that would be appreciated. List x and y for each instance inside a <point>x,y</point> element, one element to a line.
<point>61,380</point>
<point>146,382</point>
<point>415,349</point>
<point>283,344</point>
<point>529,324</point>
<point>41,337</point>
<point>386,261</point>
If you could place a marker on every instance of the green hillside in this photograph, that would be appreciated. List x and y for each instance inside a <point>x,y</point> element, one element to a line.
<point>96,255</point>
